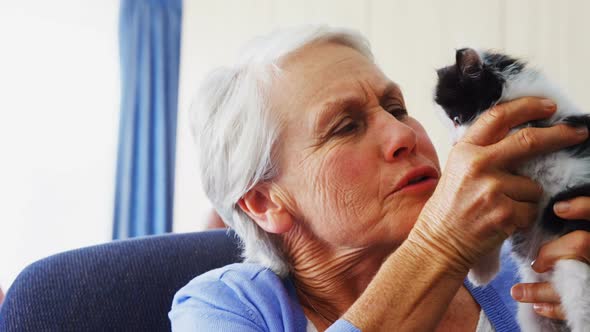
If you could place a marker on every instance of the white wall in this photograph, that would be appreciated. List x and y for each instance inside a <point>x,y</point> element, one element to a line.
<point>59,107</point>
<point>59,91</point>
<point>410,39</point>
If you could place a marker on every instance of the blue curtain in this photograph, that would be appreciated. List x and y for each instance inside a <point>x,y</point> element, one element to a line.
<point>149,41</point>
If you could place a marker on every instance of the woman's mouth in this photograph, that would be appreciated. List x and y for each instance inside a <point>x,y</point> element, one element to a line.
<point>418,179</point>
<point>423,184</point>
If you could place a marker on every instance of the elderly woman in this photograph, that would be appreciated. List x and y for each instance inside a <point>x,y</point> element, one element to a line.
<point>347,221</point>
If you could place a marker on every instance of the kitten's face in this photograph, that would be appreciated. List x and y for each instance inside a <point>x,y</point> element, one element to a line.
<point>468,88</point>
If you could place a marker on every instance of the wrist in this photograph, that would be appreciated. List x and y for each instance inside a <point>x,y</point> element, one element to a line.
<point>412,283</point>
<point>439,250</point>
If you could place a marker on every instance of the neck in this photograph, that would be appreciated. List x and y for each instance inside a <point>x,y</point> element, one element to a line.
<point>329,280</point>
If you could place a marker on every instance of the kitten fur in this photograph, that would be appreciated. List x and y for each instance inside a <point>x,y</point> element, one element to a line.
<point>479,80</point>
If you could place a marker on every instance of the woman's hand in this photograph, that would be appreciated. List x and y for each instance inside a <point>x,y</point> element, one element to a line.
<point>575,245</point>
<point>479,201</point>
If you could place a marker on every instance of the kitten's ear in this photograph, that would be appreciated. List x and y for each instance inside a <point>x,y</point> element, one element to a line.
<point>468,61</point>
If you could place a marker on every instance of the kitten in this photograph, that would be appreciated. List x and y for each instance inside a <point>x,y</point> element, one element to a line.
<point>479,80</point>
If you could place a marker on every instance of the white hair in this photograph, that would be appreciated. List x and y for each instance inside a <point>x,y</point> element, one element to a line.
<point>236,130</point>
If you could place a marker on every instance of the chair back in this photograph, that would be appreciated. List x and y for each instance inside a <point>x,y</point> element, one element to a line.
<point>124,285</point>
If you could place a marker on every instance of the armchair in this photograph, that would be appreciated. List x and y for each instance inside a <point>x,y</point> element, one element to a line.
<point>124,285</point>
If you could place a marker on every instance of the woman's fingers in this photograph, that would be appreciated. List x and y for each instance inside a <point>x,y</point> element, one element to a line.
<point>549,310</point>
<point>574,245</point>
<point>494,124</point>
<point>577,208</point>
<point>524,214</point>
<point>530,142</point>
<point>538,292</point>
<point>525,193</point>
<point>520,188</point>
<point>546,301</point>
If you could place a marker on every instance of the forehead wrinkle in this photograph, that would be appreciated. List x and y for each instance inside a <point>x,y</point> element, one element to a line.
<point>338,102</point>
<point>389,88</point>
<point>384,87</point>
<point>380,88</point>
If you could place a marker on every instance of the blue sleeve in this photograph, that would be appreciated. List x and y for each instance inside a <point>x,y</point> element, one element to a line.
<point>495,299</point>
<point>342,325</point>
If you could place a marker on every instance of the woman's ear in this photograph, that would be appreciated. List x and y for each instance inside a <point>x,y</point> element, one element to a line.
<point>267,210</point>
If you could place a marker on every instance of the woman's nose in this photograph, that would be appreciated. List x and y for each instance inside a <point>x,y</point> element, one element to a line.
<point>399,140</point>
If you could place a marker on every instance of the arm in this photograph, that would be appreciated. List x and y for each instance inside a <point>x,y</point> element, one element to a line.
<point>469,213</point>
<point>476,205</point>
<point>409,287</point>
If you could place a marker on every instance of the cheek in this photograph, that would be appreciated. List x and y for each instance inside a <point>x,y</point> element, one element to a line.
<point>343,172</point>
<point>343,181</point>
<point>344,167</point>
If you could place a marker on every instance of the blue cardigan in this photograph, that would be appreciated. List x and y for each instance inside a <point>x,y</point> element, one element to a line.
<point>248,297</point>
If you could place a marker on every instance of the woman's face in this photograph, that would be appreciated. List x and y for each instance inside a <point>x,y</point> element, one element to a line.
<point>348,149</point>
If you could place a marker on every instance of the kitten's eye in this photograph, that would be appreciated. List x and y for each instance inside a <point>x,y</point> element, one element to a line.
<point>347,126</point>
<point>457,121</point>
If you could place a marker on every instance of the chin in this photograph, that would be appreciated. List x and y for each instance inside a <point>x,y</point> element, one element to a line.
<point>407,214</point>
<point>398,228</point>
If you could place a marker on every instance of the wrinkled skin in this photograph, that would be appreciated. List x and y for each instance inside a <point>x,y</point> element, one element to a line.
<point>342,182</point>
<point>334,207</point>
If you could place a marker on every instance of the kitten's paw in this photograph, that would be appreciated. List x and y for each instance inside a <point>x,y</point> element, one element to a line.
<point>477,278</point>
<point>486,269</point>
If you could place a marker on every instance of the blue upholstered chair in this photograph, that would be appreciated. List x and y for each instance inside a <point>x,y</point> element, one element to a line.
<point>119,286</point>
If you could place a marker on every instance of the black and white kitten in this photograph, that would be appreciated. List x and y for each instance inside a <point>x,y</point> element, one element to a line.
<point>479,80</point>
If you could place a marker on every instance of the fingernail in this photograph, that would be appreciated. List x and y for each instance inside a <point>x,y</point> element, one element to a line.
<point>582,130</point>
<point>539,307</point>
<point>548,104</point>
<point>516,293</point>
<point>535,266</point>
<point>561,207</point>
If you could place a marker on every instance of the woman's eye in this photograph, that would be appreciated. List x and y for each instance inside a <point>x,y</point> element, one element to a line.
<point>398,112</point>
<point>346,127</point>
